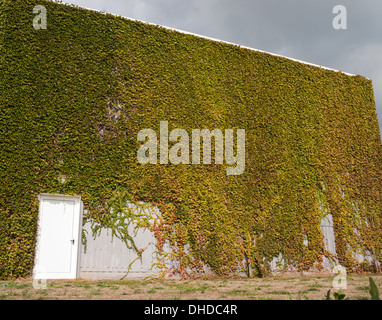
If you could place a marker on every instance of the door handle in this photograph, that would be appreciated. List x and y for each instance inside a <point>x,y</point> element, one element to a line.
<point>72,241</point>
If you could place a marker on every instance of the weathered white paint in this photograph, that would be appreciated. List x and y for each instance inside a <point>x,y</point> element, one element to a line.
<point>105,256</point>
<point>328,233</point>
<point>327,230</point>
<point>108,257</point>
<point>277,264</point>
<point>58,237</point>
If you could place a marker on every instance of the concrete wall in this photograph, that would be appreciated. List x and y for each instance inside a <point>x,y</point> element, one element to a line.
<point>108,257</point>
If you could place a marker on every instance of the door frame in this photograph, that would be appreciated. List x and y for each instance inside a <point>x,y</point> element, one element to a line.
<point>77,224</point>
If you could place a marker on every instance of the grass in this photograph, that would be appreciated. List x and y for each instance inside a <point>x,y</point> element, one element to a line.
<point>204,287</point>
<point>282,289</point>
<point>14,284</point>
<point>188,289</point>
<point>84,285</point>
<point>26,294</point>
<point>280,292</point>
<point>316,285</point>
<point>191,288</point>
<point>237,292</point>
<point>363,288</point>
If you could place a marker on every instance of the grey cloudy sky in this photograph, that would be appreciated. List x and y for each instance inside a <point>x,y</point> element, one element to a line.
<point>300,29</point>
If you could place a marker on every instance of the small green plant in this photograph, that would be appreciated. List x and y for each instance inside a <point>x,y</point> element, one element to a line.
<point>316,285</point>
<point>84,285</point>
<point>302,291</point>
<point>204,287</point>
<point>363,288</point>
<point>26,294</point>
<point>239,292</point>
<point>5,284</point>
<point>373,289</point>
<point>279,292</point>
<point>101,284</point>
<point>107,284</point>
<point>158,288</point>
<point>14,284</point>
<point>186,289</point>
<point>339,295</point>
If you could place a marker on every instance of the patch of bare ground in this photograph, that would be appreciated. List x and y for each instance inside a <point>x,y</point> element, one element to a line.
<point>298,288</point>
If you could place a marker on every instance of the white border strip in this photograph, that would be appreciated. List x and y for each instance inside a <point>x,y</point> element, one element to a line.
<point>209,38</point>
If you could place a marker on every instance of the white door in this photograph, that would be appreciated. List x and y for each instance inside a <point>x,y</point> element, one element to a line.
<point>58,237</point>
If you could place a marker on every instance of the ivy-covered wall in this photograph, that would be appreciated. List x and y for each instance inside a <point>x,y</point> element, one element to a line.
<point>74,96</point>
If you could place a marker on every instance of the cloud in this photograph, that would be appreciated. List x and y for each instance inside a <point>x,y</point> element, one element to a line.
<point>366,60</point>
<point>300,29</point>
